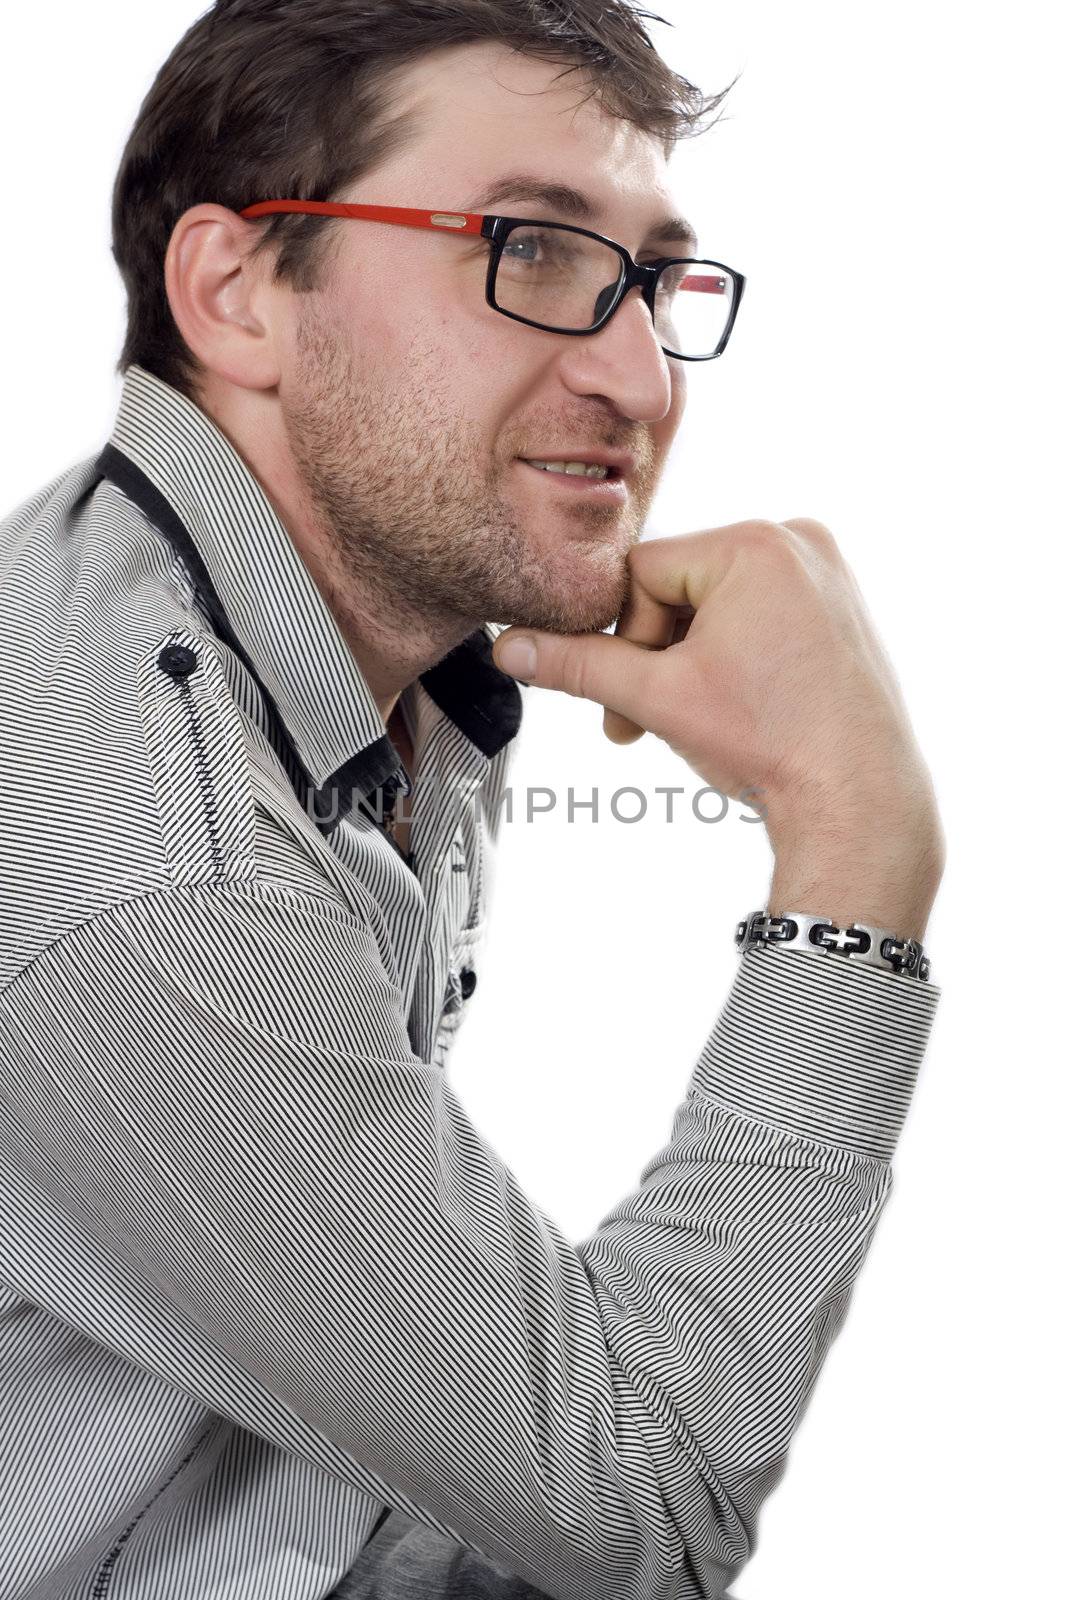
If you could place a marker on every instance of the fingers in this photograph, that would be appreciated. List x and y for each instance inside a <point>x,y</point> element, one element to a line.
<point>650,625</point>
<point>682,571</point>
<point>670,579</point>
<point>592,666</point>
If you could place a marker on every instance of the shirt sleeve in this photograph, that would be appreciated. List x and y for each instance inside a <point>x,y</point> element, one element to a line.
<point>213,1087</point>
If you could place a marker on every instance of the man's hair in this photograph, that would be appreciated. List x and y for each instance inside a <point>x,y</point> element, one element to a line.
<point>290,99</point>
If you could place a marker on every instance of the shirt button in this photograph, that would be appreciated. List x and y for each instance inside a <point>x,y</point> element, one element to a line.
<point>177,660</point>
<point>467,980</point>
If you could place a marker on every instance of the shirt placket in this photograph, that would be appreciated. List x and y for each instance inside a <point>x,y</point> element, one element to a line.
<point>445,848</point>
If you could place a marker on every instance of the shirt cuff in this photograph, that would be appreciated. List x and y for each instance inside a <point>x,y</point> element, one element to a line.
<point>819,1046</point>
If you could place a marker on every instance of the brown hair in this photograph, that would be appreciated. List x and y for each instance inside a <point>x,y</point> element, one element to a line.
<point>270,99</point>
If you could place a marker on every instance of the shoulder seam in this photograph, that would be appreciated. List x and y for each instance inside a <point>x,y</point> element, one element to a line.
<point>214,887</point>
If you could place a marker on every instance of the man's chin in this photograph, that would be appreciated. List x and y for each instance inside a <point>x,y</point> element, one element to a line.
<point>578,616</point>
<point>573,589</point>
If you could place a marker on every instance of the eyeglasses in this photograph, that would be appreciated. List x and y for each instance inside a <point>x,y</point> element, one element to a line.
<point>567,280</point>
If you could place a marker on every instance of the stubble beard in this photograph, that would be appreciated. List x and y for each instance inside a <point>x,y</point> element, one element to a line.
<point>418,537</point>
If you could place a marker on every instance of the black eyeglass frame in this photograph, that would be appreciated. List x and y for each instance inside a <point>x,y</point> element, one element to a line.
<point>497,230</point>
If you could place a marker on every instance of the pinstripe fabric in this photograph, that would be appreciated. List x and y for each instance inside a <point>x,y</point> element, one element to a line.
<point>261,1279</point>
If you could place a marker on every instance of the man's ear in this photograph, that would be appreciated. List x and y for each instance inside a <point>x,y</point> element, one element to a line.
<point>222,302</point>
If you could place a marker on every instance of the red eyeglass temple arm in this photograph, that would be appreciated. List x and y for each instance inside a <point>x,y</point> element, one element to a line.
<point>453,221</point>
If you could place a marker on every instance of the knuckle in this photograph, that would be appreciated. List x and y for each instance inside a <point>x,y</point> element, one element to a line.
<point>768,541</point>
<point>816,533</point>
<point>761,530</point>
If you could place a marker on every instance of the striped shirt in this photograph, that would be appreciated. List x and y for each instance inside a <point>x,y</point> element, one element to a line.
<point>262,1281</point>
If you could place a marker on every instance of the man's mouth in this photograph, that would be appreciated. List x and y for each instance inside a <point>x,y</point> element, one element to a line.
<point>573,469</point>
<point>578,477</point>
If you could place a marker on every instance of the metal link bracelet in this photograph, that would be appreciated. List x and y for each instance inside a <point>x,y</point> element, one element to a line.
<point>798,930</point>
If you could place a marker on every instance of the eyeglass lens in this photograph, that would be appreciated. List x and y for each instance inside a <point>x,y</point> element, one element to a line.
<point>567,282</point>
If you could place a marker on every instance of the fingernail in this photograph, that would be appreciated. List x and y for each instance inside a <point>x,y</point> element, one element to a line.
<point>518,655</point>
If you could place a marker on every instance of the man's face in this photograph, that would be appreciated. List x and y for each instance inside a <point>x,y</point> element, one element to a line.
<point>409,403</point>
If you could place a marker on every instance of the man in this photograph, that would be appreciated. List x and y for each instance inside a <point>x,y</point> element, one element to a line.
<point>262,1283</point>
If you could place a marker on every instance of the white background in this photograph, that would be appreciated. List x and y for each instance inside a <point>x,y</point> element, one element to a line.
<point>890,180</point>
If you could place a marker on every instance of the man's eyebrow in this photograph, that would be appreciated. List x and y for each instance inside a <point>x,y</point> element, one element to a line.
<point>572,203</point>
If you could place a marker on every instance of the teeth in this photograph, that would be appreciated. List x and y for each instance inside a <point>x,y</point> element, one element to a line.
<point>573,469</point>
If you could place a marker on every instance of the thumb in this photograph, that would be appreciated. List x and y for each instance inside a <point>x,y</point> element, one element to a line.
<point>592,666</point>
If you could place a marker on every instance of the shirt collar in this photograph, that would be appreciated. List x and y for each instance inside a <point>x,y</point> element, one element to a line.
<point>169,457</point>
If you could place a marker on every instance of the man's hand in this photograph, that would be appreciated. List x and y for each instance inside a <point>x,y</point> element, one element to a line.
<point>750,651</point>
